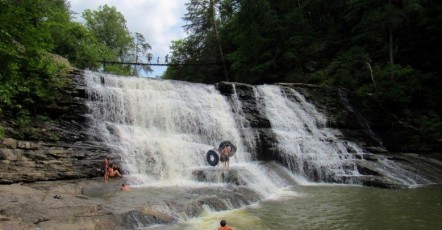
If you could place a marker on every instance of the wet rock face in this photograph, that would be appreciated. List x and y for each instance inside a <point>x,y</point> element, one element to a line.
<point>30,161</point>
<point>341,115</point>
<point>64,151</point>
<point>78,154</point>
<point>214,175</point>
<point>256,119</point>
<point>138,218</point>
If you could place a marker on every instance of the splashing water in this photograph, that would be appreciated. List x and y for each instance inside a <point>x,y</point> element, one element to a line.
<point>160,129</point>
<point>308,146</point>
<point>243,123</point>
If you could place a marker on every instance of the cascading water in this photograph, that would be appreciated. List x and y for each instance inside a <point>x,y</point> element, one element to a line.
<point>244,125</point>
<point>160,129</point>
<point>304,141</point>
<point>163,129</point>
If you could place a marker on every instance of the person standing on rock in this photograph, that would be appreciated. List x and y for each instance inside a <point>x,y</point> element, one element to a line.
<point>225,156</point>
<point>224,226</point>
<point>106,169</point>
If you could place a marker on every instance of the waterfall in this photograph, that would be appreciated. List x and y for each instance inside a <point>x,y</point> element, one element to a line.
<point>161,129</point>
<point>304,141</point>
<point>248,135</point>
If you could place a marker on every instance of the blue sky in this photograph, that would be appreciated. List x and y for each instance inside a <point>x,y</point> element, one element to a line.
<point>159,21</point>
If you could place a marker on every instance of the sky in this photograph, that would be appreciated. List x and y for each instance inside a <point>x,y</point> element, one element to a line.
<point>159,21</point>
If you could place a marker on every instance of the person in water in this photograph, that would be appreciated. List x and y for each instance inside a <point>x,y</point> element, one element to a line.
<point>224,225</point>
<point>113,171</point>
<point>124,187</point>
<point>225,155</point>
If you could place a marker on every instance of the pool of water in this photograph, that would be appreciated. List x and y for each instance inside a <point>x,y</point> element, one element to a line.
<point>332,207</point>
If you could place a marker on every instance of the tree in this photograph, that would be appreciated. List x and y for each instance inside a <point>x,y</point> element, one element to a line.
<point>256,33</point>
<point>141,53</point>
<point>204,45</point>
<point>109,26</point>
<point>83,50</point>
<point>30,77</point>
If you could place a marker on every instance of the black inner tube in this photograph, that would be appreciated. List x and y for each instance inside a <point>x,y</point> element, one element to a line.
<point>212,157</point>
<point>227,143</point>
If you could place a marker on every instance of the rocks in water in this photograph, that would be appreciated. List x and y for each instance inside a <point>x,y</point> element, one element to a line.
<point>143,217</point>
<point>60,205</point>
<point>220,199</point>
<point>215,175</point>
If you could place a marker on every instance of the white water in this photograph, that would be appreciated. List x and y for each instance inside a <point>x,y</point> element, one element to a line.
<point>163,129</point>
<point>304,141</point>
<point>243,123</point>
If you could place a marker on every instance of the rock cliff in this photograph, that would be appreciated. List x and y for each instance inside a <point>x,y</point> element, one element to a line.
<point>342,115</point>
<point>75,153</point>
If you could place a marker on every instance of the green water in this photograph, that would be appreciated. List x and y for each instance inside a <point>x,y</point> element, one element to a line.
<point>333,207</point>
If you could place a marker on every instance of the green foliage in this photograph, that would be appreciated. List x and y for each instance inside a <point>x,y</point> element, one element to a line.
<point>80,46</point>
<point>180,56</point>
<point>389,50</point>
<point>349,69</point>
<point>123,70</point>
<point>396,84</point>
<point>37,38</point>
<point>432,127</point>
<point>257,54</point>
<point>141,54</point>
<point>28,72</point>
<point>109,27</point>
<point>202,46</point>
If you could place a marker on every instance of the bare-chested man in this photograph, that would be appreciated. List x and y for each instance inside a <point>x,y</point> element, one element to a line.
<point>113,171</point>
<point>225,155</point>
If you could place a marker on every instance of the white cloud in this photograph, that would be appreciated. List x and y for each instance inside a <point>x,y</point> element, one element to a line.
<point>158,21</point>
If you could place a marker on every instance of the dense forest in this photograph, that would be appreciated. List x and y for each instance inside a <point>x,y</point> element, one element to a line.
<point>385,51</point>
<point>40,41</point>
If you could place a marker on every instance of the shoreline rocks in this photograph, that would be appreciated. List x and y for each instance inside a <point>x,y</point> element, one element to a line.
<point>62,205</point>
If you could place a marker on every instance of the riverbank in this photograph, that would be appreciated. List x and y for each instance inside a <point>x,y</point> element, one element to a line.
<point>69,204</point>
<point>93,204</point>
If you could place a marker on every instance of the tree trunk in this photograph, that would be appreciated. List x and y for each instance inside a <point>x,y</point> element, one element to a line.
<point>226,76</point>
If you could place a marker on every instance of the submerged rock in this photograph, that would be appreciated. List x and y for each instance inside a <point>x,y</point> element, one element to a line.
<point>143,217</point>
